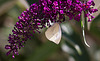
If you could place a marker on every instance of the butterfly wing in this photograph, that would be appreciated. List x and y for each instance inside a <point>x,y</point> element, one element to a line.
<point>54,33</point>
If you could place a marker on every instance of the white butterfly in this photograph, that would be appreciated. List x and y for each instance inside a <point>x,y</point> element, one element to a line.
<point>54,33</point>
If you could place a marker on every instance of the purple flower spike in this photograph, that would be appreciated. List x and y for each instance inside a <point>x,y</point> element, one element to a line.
<point>38,15</point>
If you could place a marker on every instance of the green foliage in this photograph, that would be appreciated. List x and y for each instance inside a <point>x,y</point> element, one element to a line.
<point>40,49</point>
<point>75,40</point>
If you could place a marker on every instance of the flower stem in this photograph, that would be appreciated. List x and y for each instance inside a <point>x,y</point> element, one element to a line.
<point>83,26</point>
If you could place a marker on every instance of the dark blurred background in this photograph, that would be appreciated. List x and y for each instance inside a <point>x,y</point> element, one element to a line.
<point>71,47</point>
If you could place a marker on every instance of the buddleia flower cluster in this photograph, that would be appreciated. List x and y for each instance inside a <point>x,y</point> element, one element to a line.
<point>41,14</point>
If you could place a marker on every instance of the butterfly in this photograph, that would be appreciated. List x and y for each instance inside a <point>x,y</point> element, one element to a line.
<point>53,33</point>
